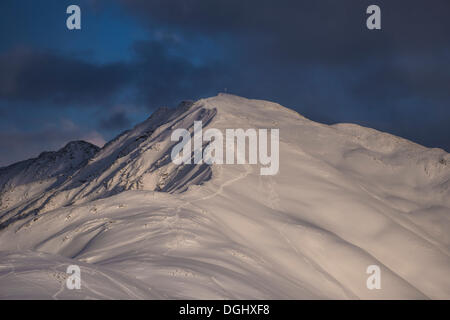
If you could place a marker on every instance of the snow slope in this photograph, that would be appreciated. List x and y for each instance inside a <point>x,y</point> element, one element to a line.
<point>22,182</point>
<point>345,197</point>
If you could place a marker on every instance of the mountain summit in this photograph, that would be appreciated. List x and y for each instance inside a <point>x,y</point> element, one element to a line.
<point>139,226</point>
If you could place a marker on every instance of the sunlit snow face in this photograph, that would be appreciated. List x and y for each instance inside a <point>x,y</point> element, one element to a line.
<point>213,152</point>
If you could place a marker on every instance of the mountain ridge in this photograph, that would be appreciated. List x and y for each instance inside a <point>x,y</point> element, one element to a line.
<point>345,197</point>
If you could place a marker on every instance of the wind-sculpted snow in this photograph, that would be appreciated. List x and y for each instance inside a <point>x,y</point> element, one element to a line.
<point>138,159</point>
<point>22,182</point>
<point>345,197</point>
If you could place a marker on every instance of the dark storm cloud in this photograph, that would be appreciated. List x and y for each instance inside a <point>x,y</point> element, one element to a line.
<point>424,77</point>
<point>117,121</point>
<point>315,56</point>
<point>163,78</point>
<point>319,57</point>
<point>325,30</point>
<point>159,76</point>
<point>278,35</point>
<point>35,75</point>
<point>282,37</point>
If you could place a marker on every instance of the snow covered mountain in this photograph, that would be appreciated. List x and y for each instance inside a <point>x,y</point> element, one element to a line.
<point>26,180</point>
<point>139,226</point>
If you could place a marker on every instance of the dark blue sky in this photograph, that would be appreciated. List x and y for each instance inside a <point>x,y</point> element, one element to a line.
<point>132,56</point>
